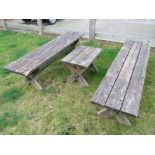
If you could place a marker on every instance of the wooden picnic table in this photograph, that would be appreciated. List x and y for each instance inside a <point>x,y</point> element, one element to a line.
<point>79,60</point>
<point>32,63</point>
<point>121,89</point>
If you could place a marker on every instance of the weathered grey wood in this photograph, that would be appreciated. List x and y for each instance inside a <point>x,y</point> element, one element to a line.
<point>116,97</point>
<point>71,78</point>
<point>82,81</point>
<point>106,113</point>
<point>122,119</point>
<point>83,56</point>
<point>46,55</point>
<point>125,93</point>
<point>94,67</point>
<point>133,95</point>
<point>92,29</point>
<point>40,26</point>
<point>88,59</point>
<point>104,89</point>
<point>73,54</point>
<point>43,55</point>
<point>76,75</point>
<point>4,24</point>
<point>35,84</point>
<point>78,61</point>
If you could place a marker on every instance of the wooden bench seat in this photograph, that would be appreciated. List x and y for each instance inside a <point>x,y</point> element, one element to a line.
<point>121,89</point>
<point>79,60</point>
<point>33,62</point>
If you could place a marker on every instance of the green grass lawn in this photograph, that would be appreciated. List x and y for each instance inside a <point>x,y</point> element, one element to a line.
<point>63,108</point>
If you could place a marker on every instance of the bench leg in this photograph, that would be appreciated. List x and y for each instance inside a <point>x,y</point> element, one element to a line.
<point>76,75</point>
<point>106,113</point>
<point>82,81</point>
<point>122,119</point>
<point>34,83</point>
<point>71,78</point>
<point>94,67</point>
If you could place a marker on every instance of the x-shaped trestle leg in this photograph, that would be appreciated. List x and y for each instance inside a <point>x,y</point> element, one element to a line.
<point>76,75</point>
<point>33,82</point>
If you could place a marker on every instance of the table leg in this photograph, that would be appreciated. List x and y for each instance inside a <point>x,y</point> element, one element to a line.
<point>76,75</point>
<point>94,67</point>
<point>82,81</point>
<point>34,83</point>
<point>122,119</point>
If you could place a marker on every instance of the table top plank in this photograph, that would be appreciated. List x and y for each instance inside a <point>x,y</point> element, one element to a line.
<point>83,56</point>
<point>41,55</point>
<point>101,94</point>
<point>116,97</point>
<point>133,95</point>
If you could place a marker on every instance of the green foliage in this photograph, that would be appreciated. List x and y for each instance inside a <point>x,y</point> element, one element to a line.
<point>18,53</point>
<point>52,90</point>
<point>8,119</point>
<point>3,71</point>
<point>11,95</point>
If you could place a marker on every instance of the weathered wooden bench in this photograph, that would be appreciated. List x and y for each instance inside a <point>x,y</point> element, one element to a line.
<point>121,89</point>
<point>79,60</point>
<point>32,63</point>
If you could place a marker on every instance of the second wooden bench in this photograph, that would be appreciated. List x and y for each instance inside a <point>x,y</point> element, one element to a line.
<point>121,89</point>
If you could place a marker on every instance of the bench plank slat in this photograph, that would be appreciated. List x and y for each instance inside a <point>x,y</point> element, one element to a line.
<point>73,54</point>
<point>92,55</point>
<point>82,56</point>
<point>132,99</point>
<point>117,94</point>
<point>31,57</point>
<point>104,89</point>
<point>46,55</point>
<point>29,63</point>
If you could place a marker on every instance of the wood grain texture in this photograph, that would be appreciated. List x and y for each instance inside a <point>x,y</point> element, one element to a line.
<point>116,97</point>
<point>44,54</point>
<point>105,87</point>
<point>83,56</point>
<point>121,89</point>
<point>133,95</point>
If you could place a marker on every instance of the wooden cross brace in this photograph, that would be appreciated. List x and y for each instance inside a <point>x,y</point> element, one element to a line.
<point>120,117</point>
<point>76,73</point>
<point>33,82</point>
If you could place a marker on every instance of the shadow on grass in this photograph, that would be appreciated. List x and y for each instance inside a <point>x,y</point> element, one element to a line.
<point>11,95</point>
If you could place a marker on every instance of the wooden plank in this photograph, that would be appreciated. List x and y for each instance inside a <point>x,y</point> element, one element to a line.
<point>73,54</point>
<point>49,55</point>
<point>118,92</point>
<point>105,87</point>
<point>40,56</point>
<point>35,54</point>
<point>133,96</point>
<point>122,119</point>
<point>82,57</point>
<point>87,60</point>
<point>38,53</point>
